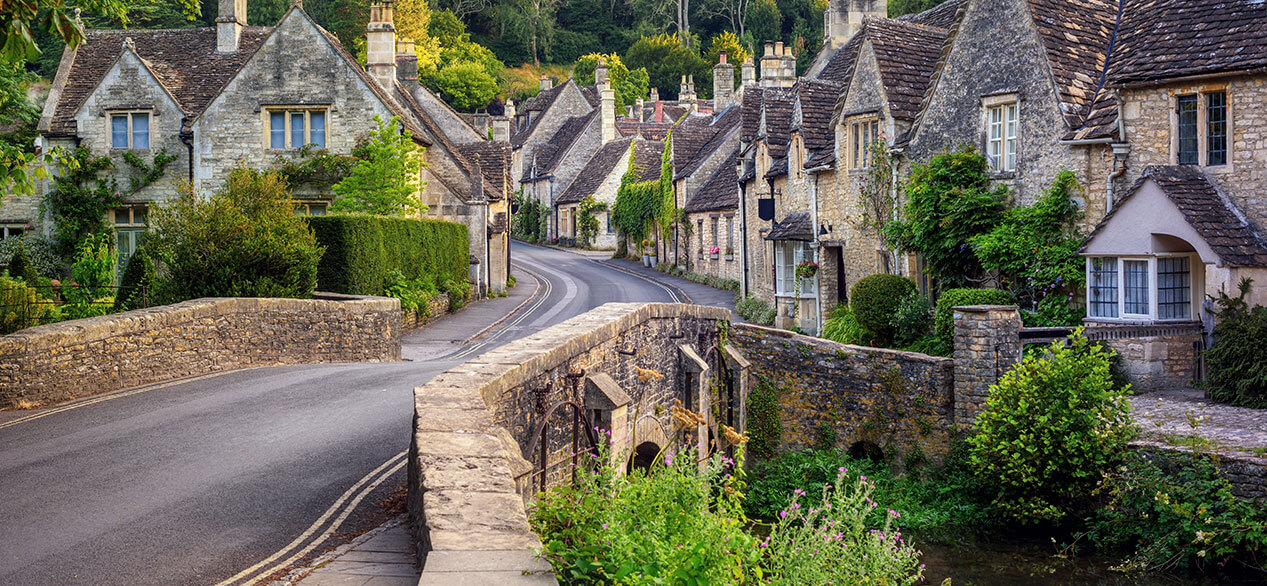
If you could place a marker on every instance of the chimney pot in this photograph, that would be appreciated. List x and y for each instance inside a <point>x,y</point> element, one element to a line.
<point>722,57</point>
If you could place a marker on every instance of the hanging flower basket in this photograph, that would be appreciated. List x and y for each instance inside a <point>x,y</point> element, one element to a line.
<point>806,270</point>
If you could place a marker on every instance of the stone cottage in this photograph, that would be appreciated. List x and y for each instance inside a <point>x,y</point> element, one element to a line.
<point>235,94</point>
<point>601,180</point>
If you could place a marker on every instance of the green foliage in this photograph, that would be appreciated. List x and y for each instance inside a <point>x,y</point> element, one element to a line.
<point>1034,250</point>
<point>1177,513</point>
<point>729,43</point>
<point>756,310</point>
<point>136,287</point>
<point>414,294</point>
<point>361,250</point>
<point>638,202</point>
<point>386,178</point>
<point>949,200</point>
<point>903,7</point>
<point>20,267</point>
<point>765,420</point>
<point>1050,430</point>
<point>79,197</point>
<point>1237,363</point>
<point>587,224</point>
<point>874,301</point>
<point>944,318</point>
<point>627,85</point>
<point>317,167</point>
<point>459,292</point>
<point>913,319</point>
<point>465,85</point>
<point>60,20</point>
<point>244,241</point>
<point>18,118</point>
<point>842,326</point>
<point>666,60</point>
<point>711,280</point>
<point>764,21</point>
<point>20,306</point>
<point>92,275</point>
<point>531,222</point>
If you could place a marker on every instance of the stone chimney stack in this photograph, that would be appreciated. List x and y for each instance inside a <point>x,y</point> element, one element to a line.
<point>600,75</point>
<point>638,108</point>
<point>749,73</point>
<point>380,44</point>
<point>843,19</point>
<point>608,113</point>
<point>406,64</point>
<point>229,25</point>
<point>546,83</point>
<point>789,68</point>
<point>723,83</point>
<point>769,66</point>
<point>501,127</point>
<point>655,94</point>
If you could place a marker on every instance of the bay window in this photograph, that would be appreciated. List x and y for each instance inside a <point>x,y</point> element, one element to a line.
<point>1156,288</point>
<point>787,255</point>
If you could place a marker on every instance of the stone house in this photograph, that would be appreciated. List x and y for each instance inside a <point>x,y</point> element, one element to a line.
<point>601,180</point>
<point>703,146</point>
<point>216,98</point>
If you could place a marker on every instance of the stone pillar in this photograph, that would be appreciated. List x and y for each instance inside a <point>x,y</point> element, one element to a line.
<point>723,84</point>
<point>501,128</point>
<point>380,44</point>
<point>987,344</point>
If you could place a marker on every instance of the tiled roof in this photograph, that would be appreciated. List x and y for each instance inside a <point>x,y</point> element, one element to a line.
<point>538,104</point>
<point>796,226</point>
<point>596,170</point>
<point>542,100</point>
<point>493,159</point>
<point>777,169</point>
<point>184,61</point>
<point>753,102</point>
<point>647,158</point>
<point>689,136</point>
<point>648,130</point>
<point>549,153</point>
<point>943,15</point>
<point>826,156</point>
<point>778,122</point>
<point>720,192</point>
<point>1207,212</point>
<point>817,100</point>
<point>840,68</point>
<point>722,127</point>
<point>1165,39</point>
<point>591,95</point>
<point>1076,35</point>
<point>907,54</point>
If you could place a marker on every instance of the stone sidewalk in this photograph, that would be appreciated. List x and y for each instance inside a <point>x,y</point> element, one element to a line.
<point>1177,416</point>
<point>381,557</point>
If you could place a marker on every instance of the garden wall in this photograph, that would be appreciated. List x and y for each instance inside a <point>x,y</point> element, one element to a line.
<point>58,362</point>
<point>901,402</point>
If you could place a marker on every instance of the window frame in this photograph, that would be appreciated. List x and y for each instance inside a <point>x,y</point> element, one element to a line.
<point>131,130</point>
<point>861,132</point>
<point>1008,127</point>
<point>288,114</point>
<point>785,274</point>
<point>1200,97</point>
<point>1153,314</point>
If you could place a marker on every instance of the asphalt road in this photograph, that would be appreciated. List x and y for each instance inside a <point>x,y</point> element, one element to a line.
<point>197,481</point>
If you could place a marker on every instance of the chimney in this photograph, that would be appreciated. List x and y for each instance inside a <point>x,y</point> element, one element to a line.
<point>406,64</point>
<point>659,111</point>
<point>380,44</point>
<point>843,19</point>
<point>723,83</point>
<point>655,94</point>
<point>788,77</point>
<point>501,127</point>
<point>749,73</point>
<point>229,25</point>
<point>770,64</point>
<point>608,113</point>
<point>600,75</point>
<point>638,108</point>
<point>545,83</point>
<point>510,111</point>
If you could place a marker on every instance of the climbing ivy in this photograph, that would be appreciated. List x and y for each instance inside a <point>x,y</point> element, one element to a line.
<point>587,225</point>
<point>81,195</point>
<point>639,202</point>
<point>765,425</point>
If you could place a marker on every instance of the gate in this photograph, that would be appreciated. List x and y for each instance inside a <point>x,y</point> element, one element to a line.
<point>573,407</point>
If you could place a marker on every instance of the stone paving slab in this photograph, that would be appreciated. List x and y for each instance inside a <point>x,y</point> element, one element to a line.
<point>1175,416</point>
<point>382,557</point>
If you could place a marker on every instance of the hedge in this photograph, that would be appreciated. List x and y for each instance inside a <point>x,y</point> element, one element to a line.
<point>362,249</point>
<point>874,301</point>
<point>944,318</point>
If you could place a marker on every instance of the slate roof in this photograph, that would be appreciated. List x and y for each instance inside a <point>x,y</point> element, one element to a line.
<point>907,55</point>
<point>689,136</point>
<point>817,100</point>
<point>595,171</point>
<point>821,157</point>
<point>778,122</point>
<point>1077,35</point>
<point>840,68</point>
<point>493,159</point>
<point>721,128</point>
<point>539,104</point>
<point>647,158</point>
<point>549,153</point>
<point>184,61</point>
<point>794,227</point>
<point>720,192</point>
<point>648,130</point>
<point>753,102</point>
<point>1165,39</point>
<point>1206,210</point>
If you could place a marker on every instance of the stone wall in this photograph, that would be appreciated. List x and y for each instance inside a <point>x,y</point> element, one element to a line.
<point>62,361</point>
<point>1155,357</point>
<point>726,267</point>
<point>436,308</point>
<point>897,401</point>
<point>987,344</point>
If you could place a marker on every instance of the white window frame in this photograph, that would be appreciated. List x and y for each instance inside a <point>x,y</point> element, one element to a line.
<point>287,114</point>
<point>785,274</point>
<point>1001,120</point>
<point>131,131</point>
<point>1194,288</point>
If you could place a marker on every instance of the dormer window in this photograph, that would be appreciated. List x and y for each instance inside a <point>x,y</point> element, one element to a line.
<point>862,134</point>
<point>130,130</point>
<point>296,128</point>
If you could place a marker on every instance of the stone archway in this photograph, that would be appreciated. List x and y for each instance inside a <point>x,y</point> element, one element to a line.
<point>644,456</point>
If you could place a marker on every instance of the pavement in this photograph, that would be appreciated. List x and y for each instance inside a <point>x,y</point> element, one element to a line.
<point>1178,416</point>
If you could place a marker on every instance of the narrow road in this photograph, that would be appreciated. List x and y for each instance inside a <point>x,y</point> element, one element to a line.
<point>224,478</point>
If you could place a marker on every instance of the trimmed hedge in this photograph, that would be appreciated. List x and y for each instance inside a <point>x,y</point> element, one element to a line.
<point>874,301</point>
<point>944,319</point>
<point>362,249</point>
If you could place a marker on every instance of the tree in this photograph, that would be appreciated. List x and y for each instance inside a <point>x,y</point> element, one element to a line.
<point>464,85</point>
<point>764,21</point>
<point>628,85</point>
<point>57,18</point>
<point>730,44</point>
<point>413,20</point>
<point>533,20</point>
<point>666,61</point>
<point>18,117</point>
<point>732,11</point>
<point>385,180</point>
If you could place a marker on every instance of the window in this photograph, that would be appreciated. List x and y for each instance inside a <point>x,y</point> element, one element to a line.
<point>787,255</point>
<point>716,232</point>
<point>610,228</point>
<point>13,231</point>
<point>1001,132</point>
<point>130,130</point>
<point>1201,129</point>
<point>730,233</point>
<point>310,209</point>
<point>863,133</point>
<point>1150,288</point>
<point>296,129</point>
<point>129,232</point>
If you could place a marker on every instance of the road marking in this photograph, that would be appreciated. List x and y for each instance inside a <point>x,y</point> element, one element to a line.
<point>672,295</point>
<point>362,488</point>
<point>570,292</point>
<point>117,395</point>
<point>544,296</point>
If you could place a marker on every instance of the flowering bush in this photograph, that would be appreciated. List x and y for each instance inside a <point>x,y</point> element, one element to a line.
<point>714,250</point>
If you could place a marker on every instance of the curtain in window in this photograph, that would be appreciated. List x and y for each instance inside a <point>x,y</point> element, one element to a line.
<point>1135,286</point>
<point>1103,287</point>
<point>1174,288</point>
<point>317,129</point>
<point>276,130</point>
<point>140,131</point>
<point>119,131</point>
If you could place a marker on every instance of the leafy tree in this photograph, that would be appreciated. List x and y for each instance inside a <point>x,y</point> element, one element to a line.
<point>628,85</point>
<point>732,11</point>
<point>764,21</point>
<point>149,14</point>
<point>666,61</point>
<point>385,180</point>
<point>901,7</point>
<point>949,200</point>
<point>57,18</point>
<point>18,117</point>
<point>464,85</point>
<point>587,225</point>
<point>731,44</point>
<point>413,20</point>
<point>1238,360</point>
<point>532,21</point>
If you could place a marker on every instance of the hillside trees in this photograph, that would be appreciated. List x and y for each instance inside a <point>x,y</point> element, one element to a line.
<point>628,85</point>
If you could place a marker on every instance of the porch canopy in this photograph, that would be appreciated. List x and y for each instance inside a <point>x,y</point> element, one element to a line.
<point>796,227</point>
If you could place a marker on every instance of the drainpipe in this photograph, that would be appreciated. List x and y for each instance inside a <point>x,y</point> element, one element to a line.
<point>743,232</point>
<point>187,137</point>
<point>1120,152</point>
<point>817,248</point>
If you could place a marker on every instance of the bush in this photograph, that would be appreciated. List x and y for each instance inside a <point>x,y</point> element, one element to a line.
<point>756,310</point>
<point>1051,428</point>
<point>874,302</point>
<point>20,306</point>
<point>20,267</point>
<point>93,276</point>
<point>944,319</point>
<point>459,293</point>
<point>361,250</point>
<point>41,252</point>
<point>765,420</point>
<point>137,284</point>
<point>244,241</point>
<point>385,178</point>
<point>843,327</point>
<point>1237,362</point>
<point>913,319</point>
<point>414,294</point>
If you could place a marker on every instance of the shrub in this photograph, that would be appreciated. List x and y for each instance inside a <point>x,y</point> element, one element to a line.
<point>913,319</point>
<point>362,249</point>
<point>874,302</point>
<point>459,293</point>
<point>244,241</point>
<point>1051,428</point>
<point>414,294</point>
<point>1237,362</point>
<point>20,267</point>
<point>385,179</point>
<point>841,326</point>
<point>756,310</point>
<point>41,252</point>
<point>137,284</point>
<point>93,275</point>
<point>20,306</point>
<point>944,319</point>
